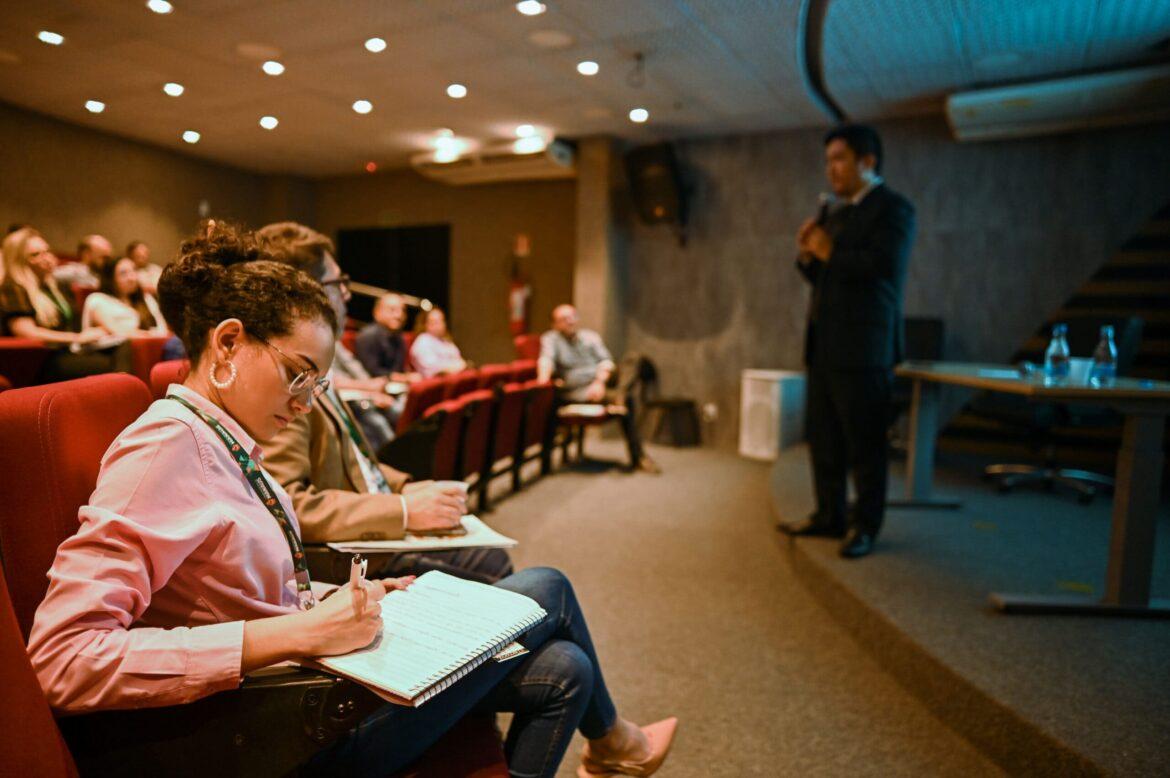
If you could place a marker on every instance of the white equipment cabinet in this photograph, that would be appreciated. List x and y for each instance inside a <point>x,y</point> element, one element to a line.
<point>771,412</point>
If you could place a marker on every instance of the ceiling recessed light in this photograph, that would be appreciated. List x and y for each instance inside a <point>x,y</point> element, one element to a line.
<point>363,106</point>
<point>173,89</point>
<point>457,91</point>
<point>529,145</point>
<point>446,155</point>
<point>159,6</point>
<point>445,132</point>
<point>95,106</point>
<point>51,38</point>
<point>371,167</point>
<point>587,68</point>
<point>272,67</point>
<point>191,136</point>
<point>531,7</point>
<point>375,45</point>
<point>639,115</point>
<point>269,122</point>
<point>525,131</point>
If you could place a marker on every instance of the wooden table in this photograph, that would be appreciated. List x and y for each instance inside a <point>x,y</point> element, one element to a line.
<point>1144,406</point>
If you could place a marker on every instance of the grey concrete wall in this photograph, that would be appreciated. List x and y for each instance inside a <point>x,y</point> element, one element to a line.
<point>1006,231</point>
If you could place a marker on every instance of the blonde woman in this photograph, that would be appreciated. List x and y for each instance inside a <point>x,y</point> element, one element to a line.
<point>33,306</point>
<point>433,351</point>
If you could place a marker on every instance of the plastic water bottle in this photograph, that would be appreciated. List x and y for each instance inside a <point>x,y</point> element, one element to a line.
<point>1056,358</point>
<point>1104,368</point>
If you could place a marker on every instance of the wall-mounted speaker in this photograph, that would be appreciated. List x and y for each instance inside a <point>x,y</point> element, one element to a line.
<point>655,184</point>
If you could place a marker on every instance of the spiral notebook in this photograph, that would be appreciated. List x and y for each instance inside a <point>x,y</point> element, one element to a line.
<point>434,633</point>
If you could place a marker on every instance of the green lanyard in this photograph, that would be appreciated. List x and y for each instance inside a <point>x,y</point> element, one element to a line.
<point>382,484</point>
<point>262,489</point>
<point>63,307</point>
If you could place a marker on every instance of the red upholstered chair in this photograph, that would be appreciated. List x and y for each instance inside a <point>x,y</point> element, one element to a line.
<point>21,360</point>
<point>5,384</point>
<point>64,428</point>
<point>523,370</point>
<point>146,352</point>
<point>576,417</point>
<point>538,414</point>
<point>162,375</point>
<point>80,294</point>
<point>446,453</point>
<point>422,395</point>
<point>491,376</point>
<point>408,339</point>
<point>31,744</point>
<point>527,346</point>
<point>478,407</point>
<point>460,383</point>
<point>506,430</point>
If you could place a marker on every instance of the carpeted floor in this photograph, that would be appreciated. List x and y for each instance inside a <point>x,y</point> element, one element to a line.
<point>696,612</point>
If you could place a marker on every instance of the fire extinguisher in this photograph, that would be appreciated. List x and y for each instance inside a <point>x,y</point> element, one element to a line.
<point>519,291</point>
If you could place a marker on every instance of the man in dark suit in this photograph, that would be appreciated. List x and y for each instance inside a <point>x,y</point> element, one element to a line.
<point>855,255</point>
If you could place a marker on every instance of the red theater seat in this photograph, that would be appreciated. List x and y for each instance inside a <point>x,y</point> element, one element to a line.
<point>64,429</point>
<point>422,395</point>
<point>523,370</point>
<point>460,383</point>
<point>506,430</point>
<point>537,418</point>
<point>162,375</point>
<point>21,360</point>
<point>527,346</point>
<point>146,352</point>
<point>5,384</point>
<point>491,376</point>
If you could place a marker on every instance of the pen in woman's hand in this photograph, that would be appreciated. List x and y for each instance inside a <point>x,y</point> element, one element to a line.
<point>357,574</point>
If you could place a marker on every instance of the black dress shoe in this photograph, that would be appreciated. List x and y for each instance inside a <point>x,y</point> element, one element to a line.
<point>857,543</point>
<point>810,528</point>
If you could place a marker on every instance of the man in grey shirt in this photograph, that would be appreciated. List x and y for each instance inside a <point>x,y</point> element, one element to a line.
<point>580,365</point>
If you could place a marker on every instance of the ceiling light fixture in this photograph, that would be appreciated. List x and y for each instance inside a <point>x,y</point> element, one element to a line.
<point>51,38</point>
<point>588,68</point>
<point>444,132</point>
<point>191,136</point>
<point>376,45</point>
<point>362,106</point>
<point>457,91</point>
<point>639,115</point>
<point>159,6</point>
<point>269,122</point>
<point>531,7</point>
<point>530,145</point>
<point>95,106</point>
<point>272,67</point>
<point>173,89</point>
<point>525,131</point>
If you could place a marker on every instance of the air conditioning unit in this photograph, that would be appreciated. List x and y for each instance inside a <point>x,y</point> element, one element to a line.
<point>498,163</point>
<point>771,412</point>
<point>1129,96</point>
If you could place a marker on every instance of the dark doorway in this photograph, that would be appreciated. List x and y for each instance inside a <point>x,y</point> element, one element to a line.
<point>414,260</point>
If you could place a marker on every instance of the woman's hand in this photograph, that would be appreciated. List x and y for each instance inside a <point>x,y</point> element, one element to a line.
<point>346,621</point>
<point>91,334</point>
<point>396,584</point>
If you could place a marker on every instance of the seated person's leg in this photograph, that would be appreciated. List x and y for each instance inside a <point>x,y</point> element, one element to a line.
<point>486,565</point>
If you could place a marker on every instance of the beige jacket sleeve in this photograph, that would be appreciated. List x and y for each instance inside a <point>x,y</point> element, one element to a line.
<point>307,459</point>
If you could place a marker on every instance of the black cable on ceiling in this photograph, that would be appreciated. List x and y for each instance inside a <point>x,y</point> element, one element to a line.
<point>810,56</point>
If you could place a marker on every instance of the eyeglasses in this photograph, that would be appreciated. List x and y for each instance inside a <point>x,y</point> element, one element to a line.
<point>304,380</point>
<point>342,281</point>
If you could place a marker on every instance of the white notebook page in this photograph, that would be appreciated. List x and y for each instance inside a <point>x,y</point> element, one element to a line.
<point>432,629</point>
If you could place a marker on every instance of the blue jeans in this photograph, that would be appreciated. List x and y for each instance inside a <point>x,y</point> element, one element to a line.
<point>551,691</point>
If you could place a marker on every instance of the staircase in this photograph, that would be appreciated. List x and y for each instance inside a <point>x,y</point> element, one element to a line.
<point>1134,282</point>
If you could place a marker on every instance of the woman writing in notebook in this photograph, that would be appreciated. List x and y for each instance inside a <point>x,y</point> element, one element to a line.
<point>187,571</point>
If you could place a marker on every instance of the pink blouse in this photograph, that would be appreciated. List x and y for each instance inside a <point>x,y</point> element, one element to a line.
<point>147,602</point>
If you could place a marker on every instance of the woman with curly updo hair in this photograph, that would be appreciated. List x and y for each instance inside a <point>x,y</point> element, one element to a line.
<point>187,571</point>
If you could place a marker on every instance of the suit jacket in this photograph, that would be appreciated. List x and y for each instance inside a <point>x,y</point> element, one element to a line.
<point>313,460</point>
<point>380,351</point>
<point>855,318</point>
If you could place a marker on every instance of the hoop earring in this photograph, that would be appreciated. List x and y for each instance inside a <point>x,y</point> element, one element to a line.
<point>221,385</point>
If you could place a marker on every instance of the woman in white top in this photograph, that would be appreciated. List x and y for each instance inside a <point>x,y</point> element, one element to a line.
<point>433,352</point>
<point>120,306</point>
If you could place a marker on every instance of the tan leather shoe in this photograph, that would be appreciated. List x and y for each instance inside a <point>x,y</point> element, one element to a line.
<point>660,735</point>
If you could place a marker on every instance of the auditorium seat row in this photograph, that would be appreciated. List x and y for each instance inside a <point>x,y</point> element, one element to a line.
<point>64,428</point>
<point>21,359</point>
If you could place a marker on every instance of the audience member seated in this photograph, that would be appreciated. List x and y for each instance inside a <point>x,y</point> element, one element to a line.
<point>33,306</point>
<point>580,365</point>
<point>120,306</point>
<point>380,345</point>
<point>338,488</point>
<point>182,577</point>
<point>433,351</point>
<point>92,252</point>
<point>148,273</point>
